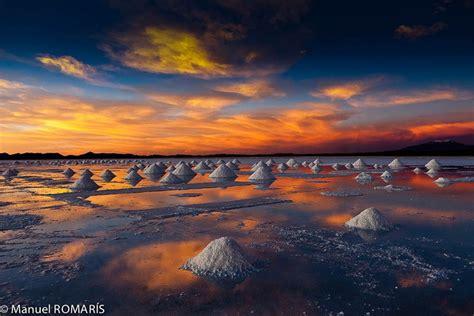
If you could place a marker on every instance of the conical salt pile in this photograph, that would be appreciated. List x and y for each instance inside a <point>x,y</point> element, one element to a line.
<point>87,172</point>
<point>223,172</point>
<point>201,167</point>
<point>236,161</point>
<point>171,178</point>
<point>132,168</point>
<point>183,170</point>
<point>363,177</point>
<point>222,258</point>
<point>220,162</point>
<point>396,164</point>
<point>376,166</point>
<point>417,170</point>
<point>262,174</point>
<point>107,175</point>
<point>316,168</point>
<point>170,169</point>
<point>232,166</point>
<point>282,167</point>
<point>443,182</point>
<point>68,172</point>
<point>161,165</point>
<point>292,163</point>
<point>133,176</point>
<point>369,219</point>
<point>386,175</point>
<point>270,162</point>
<point>348,166</point>
<point>359,164</point>
<point>154,169</point>
<point>433,164</point>
<point>432,173</point>
<point>10,172</point>
<point>260,164</point>
<point>317,161</point>
<point>336,166</point>
<point>84,183</point>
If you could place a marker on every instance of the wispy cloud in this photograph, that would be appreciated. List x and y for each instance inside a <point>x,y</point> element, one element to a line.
<point>345,90</point>
<point>416,31</point>
<point>195,101</point>
<point>68,65</point>
<point>255,89</point>
<point>395,98</point>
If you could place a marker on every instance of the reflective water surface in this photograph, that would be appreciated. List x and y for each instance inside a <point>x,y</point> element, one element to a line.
<point>100,246</point>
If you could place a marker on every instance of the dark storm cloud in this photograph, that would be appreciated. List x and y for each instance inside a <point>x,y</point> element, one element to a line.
<point>211,38</point>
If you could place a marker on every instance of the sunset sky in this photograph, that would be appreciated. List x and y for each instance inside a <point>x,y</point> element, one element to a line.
<point>234,76</point>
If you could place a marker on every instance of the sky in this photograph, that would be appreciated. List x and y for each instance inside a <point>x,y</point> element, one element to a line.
<point>234,76</point>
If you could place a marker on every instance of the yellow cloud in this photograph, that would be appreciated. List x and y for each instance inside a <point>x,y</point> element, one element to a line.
<point>252,89</point>
<point>162,50</point>
<point>206,102</point>
<point>68,65</point>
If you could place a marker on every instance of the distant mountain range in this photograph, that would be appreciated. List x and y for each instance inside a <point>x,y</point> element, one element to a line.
<point>434,148</point>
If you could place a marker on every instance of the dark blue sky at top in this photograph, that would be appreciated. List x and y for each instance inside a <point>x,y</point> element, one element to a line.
<point>347,38</point>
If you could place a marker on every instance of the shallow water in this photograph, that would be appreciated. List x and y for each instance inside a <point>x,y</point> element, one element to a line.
<point>113,247</point>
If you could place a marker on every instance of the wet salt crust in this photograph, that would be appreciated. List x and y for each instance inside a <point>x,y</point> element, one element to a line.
<point>341,193</point>
<point>20,221</point>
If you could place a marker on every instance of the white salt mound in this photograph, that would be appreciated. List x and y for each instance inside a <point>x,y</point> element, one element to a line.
<point>10,172</point>
<point>359,164</point>
<point>232,166</point>
<point>133,176</point>
<point>154,169</point>
<point>386,175</point>
<point>369,219</point>
<point>171,178</point>
<point>223,172</point>
<point>262,174</point>
<point>260,164</point>
<point>222,258</point>
<point>107,174</point>
<point>417,170</point>
<point>84,183</point>
<point>363,177</point>
<point>68,172</point>
<point>201,167</point>
<point>433,164</point>
<point>396,164</point>
<point>336,166</point>
<point>87,172</point>
<point>184,170</point>
<point>348,166</point>
<point>292,163</point>
<point>282,167</point>
<point>443,182</point>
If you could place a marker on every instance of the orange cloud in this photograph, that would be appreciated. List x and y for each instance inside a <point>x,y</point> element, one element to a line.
<point>10,85</point>
<point>47,123</point>
<point>393,98</point>
<point>252,89</point>
<point>68,65</point>
<point>416,31</point>
<point>345,90</point>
